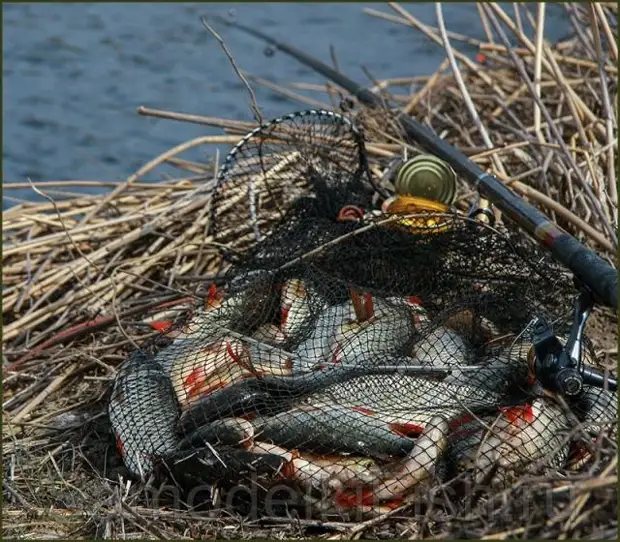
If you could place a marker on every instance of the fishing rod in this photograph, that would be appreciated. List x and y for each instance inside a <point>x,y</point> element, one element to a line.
<point>588,268</point>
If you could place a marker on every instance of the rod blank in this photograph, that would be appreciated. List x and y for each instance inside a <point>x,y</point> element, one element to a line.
<point>589,268</point>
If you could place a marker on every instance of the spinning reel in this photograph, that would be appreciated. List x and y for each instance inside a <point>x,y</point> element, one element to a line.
<point>561,368</point>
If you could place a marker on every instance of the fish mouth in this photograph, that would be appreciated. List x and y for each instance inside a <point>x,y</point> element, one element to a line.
<point>350,213</point>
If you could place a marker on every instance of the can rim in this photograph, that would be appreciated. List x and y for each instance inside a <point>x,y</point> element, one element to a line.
<point>434,164</point>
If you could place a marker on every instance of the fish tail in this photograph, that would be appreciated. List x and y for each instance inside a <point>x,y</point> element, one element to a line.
<point>418,466</point>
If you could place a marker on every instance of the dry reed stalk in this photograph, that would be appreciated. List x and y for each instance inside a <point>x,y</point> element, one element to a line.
<point>596,205</point>
<point>288,93</point>
<point>432,82</point>
<point>430,33</point>
<point>577,62</point>
<point>531,47</point>
<point>540,30</point>
<point>482,203</point>
<point>563,69</point>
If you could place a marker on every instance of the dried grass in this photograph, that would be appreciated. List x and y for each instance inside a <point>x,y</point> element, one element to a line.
<point>82,274</point>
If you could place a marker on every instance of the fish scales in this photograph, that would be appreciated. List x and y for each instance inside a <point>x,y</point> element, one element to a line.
<point>399,392</point>
<point>598,409</point>
<point>335,430</point>
<point>523,435</point>
<point>443,347</point>
<point>339,337</point>
<point>315,349</point>
<point>389,331</point>
<point>143,412</point>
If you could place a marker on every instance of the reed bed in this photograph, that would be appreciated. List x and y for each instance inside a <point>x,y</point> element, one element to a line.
<point>83,275</point>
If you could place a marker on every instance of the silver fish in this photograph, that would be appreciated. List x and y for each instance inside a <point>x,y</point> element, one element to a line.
<point>205,328</point>
<point>215,366</point>
<point>507,370</point>
<point>332,430</point>
<point>359,330</point>
<point>360,343</point>
<point>521,436</point>
<point>473,324</point>
<point>268,394</point>
<point>324,473</point>
<point>598,409</point>
<point>264,353</point>
<point>298,307</point>
<point>466,435</point>
<point>219,310</point>
<point>443,347</point>
<point>347,470</point>
<point>269,334</point>
<point>400,393</point>
<point>143,412</point>
<point>316,348</point>
<point>418,466</point>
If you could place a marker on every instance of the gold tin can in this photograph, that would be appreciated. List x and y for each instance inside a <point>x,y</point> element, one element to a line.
<point>429,213</point>
<point>427,177</point>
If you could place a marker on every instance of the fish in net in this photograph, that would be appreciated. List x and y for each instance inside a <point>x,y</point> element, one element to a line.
<point>352,355</point>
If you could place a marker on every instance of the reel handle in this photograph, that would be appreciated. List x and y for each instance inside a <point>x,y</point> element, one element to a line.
<point>561,368</point>
<point>598,379</point>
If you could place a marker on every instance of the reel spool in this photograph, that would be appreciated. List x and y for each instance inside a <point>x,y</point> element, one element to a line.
<point>560,367</point>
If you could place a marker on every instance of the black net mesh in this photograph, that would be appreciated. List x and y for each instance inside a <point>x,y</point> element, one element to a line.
<point>353,356</point>
<point>275,164</point>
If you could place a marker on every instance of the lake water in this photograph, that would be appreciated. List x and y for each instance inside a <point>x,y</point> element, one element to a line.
<point>74,74</point>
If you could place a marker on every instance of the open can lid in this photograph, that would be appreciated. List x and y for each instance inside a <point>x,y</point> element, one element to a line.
<point>428,177</point>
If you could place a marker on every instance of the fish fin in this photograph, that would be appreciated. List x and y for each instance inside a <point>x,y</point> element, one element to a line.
<point>531,371</point>
<point>455,423</point>
<point>193,377</point>
<point>353,498</point>
<point>120,446</point>
<point>394,503</point>
<point>368,306</point>
<point>364,498</point>
<point>406,429</point>
<point>357,303</point>
<point>214,296</point>
<point>337,355</point>
<point>362,304</point>
<point>161,325</point>
<point>288,470</point>
<point>238,359</point>
<point>284,312</point>
<point>519,414</point>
